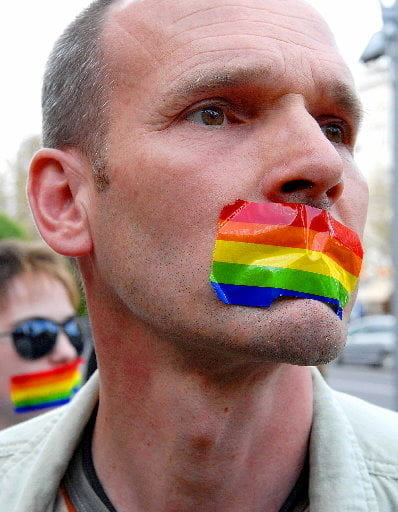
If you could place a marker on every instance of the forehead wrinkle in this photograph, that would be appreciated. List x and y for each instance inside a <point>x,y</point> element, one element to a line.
<point>134,38</point>
<point>229,12</point>
<point>126,51</point>
<point>316,30</point>
<point>154,51</point>
<point>312,19</point>
<point>309,42</point>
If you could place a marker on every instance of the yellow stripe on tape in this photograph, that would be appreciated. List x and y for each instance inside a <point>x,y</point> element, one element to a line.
<point>46,390</point>
<point>283,257</point>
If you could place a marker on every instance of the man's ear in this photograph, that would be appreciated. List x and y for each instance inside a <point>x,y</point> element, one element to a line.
<point>58,189</point>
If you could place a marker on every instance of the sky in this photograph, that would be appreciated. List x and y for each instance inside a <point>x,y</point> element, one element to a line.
<point>29,29</point>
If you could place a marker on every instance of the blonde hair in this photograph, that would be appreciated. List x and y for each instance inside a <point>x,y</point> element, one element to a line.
<point>18,257</point>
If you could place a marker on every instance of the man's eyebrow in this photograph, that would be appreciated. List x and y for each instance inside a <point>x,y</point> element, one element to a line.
<point>346,98</point>
<point>204,82</point>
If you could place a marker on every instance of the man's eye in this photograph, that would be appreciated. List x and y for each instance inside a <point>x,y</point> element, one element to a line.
<point>211,116</point>
<point>334,132</point>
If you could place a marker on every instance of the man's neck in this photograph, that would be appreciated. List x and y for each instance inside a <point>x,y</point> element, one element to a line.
<point>182,443</point>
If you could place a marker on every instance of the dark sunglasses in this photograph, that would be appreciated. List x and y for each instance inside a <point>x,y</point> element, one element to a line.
<point>36,337</point>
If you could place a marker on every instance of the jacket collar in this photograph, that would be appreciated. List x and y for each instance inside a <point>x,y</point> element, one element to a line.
<point>339,479</point>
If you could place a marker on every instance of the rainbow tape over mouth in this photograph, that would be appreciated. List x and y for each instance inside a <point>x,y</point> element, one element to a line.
<point>265,251</point>
<point>35,391</point>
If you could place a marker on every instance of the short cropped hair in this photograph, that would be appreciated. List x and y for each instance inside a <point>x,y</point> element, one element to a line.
<point>76,90</point>
<point>19,258</point>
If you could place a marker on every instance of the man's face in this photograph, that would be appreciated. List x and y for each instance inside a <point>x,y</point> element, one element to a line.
<point>214,102</point>
<point>30,296</point>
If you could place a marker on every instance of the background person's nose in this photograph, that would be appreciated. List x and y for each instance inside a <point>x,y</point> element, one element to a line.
<point>63,352</point>
<point>306,167</point>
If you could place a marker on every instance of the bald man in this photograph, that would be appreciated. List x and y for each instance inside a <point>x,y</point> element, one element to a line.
<point>198,163</point>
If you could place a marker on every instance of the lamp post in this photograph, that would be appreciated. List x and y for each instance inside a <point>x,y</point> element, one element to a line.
<point>390,18</point>
<point>383,43</point>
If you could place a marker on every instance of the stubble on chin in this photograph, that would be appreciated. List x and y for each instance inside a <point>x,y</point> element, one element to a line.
<point>298,332</point>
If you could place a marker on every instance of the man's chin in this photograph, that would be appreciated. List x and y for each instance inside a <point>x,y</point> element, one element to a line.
<point>295,331</point>
<point>303,332</point>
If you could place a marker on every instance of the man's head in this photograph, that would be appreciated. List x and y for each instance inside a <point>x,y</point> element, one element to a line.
<point>34,284</point>
<point>207,103</point>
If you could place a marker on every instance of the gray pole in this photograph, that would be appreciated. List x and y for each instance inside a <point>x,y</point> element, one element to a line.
<point>383,43</point>
<point>390,29</point>
<point>393,51</point>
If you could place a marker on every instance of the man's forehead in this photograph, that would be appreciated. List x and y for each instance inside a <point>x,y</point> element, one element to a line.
<point>175,11</point>
<point>123,4</point>
<point>154,29</point>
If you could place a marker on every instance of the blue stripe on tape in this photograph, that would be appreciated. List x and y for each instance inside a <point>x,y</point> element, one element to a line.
<point>256,296</point>
<point>38,407</point>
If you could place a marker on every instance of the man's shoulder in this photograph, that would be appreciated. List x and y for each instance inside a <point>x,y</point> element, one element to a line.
<point>343,420</point>
<point>377,420</point>
<point>376,430</point>
<point>367,420</point>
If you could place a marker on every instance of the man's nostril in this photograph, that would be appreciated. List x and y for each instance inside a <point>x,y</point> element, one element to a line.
<point>296,186</point>
<point>335,192</point>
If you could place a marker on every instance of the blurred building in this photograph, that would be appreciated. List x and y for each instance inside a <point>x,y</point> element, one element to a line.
<point>374,158</point>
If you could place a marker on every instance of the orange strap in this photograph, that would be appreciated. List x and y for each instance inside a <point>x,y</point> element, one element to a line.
<point>68,503</point>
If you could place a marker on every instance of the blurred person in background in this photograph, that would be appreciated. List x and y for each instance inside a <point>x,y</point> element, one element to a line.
<point>40,339</point>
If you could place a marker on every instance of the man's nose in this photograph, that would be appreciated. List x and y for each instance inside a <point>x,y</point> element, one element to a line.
<point>63,352</point>
<point>305,166</point>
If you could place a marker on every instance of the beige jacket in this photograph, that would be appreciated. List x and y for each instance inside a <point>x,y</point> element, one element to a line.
<point>353,454</point>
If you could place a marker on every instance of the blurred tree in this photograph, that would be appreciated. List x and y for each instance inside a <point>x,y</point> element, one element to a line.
<point>10,228</point>
<point>19,169</point>
<point>3,198</point>
<point>378,229</point>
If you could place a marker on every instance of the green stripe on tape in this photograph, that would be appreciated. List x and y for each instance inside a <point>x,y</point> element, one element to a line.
<point>278,277</point>
<point>44,399</point>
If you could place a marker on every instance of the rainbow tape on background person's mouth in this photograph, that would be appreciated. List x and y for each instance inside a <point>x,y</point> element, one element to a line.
<point>40,390</point>
<point>265,251</point>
